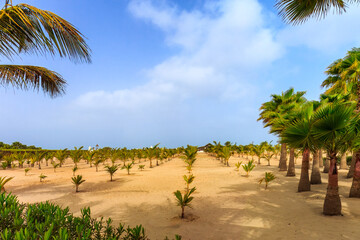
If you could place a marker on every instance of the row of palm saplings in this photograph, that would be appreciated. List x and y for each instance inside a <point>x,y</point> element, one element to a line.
<point>264,150</point>
<point>184,198</point>
<point>331,124</point>
<point>91,157</point>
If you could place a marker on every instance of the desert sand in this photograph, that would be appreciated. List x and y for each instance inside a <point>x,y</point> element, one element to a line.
<point>227,205</point>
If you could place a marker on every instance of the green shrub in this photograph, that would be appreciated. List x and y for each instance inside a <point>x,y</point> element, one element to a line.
<point>49,221</point>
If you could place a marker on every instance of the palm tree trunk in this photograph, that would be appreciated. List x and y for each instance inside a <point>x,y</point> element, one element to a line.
<point>327,164</point>
<point>283,165</point>
<point>182,211</point>
<point>352,167</point>
<point>76,188</point>
<point>315,172</point>
<point>332,203</point>
<point>321,162</point>
<point>259,160</point>
<point>150,163</point>
<point>304,183</point>
<point>39,165</point>
<point>291,169</point>
<point>343,164</point>
<point>355,187</point>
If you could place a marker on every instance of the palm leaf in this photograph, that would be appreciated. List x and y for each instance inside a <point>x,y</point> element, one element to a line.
<point>25,77</point>
<point>298,11</point>
<point>24,28</point>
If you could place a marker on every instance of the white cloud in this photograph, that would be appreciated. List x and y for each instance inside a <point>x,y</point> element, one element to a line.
<point>220,46</point>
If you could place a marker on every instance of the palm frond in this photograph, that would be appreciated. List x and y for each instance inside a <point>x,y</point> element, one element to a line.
<point>32,77</point>
<point>298,11</point>
<point>24,28</point>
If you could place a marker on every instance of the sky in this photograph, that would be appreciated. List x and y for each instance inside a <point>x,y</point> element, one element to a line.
<point>173,72</point>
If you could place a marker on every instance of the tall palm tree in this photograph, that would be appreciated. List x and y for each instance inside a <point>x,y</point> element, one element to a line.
<point>298,135</point>
<point>298,11</point>
<point>344,76</point>
<point>77,155</point>
<point>278,112</point>
<point>27,29</point>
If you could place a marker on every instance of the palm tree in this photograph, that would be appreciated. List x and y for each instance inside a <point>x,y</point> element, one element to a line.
<point>248,167</point>
<point>61,155</point>
<point>76,155</point>
<point>38,156</point>
<point>226,153</point>
<point>330,128</point>
<point>268,154</point>
<point>298,135</point>
<point>344,77</point>
<point>42,177</point>
<point>184,201</point>
<point>90,156</point>
<point>268,178</point>
<point>111,170</point>
<point>77,181</point>
<point>298,11</point>
<point>128,167</point>
<point>151,152</point>
<point>27,29</point>
<point>190,155</point>
<point>278,112</point>
<point>315,172</point>
<point>237,165</point>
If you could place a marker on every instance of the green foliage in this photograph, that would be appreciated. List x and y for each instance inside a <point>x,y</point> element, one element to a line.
<point>188,180</point>
<point>237,165</point>
<point>111,170</point>
<point>74,169</point>
<point>55,165</point>
<point>76,155</point>
<point>42,177</point>
<point>77,181</point>
<point>26,170</point>
<point>49,221</point>
<point>3,181</point>
<point>128,167</point>
<point>16,145</point>
<point>141,167</point>
<point>4,165</point>
<point>184,200</point>
<point>267,179</point>
<point>248,167</point>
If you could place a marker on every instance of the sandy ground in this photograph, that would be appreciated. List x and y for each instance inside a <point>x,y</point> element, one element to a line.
<point>227,205</point>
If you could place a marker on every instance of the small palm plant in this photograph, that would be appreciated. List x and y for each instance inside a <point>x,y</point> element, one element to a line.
<point>4,165</point>
<point>77,181</point>
<point>3,181</point>
<point>237,165</point>
<point>267,179</point>
<point>111,170</point>
<point>190,155</point>
<point>188,180</point>
<point>141,167</point>
<point>42,177</point>
<point>55,165</point>
<point>248,167</point>
<point>184,201</point>
<point>127,167</point>
<point>26,170</point>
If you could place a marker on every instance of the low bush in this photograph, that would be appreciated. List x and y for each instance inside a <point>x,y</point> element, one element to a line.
<point>49,221</point>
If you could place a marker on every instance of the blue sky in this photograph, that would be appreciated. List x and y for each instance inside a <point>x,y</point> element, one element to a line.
<point>174,72</point>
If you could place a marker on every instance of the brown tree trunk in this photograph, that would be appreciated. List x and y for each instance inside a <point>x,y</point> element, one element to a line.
<point>332,203</point>
<point>304,183</point>
<point>182,212</point>
<point>291,169</point>
<point>283,164</point>
<point>321,162</point>
<point>352,167</point>
<point>315,172</point>
<point>355,187</point>
<point>326,164</point>
<point>259,160</point>
<point>343,164</point>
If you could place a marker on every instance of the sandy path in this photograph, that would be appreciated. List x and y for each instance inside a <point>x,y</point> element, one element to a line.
<point>226,205</point>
